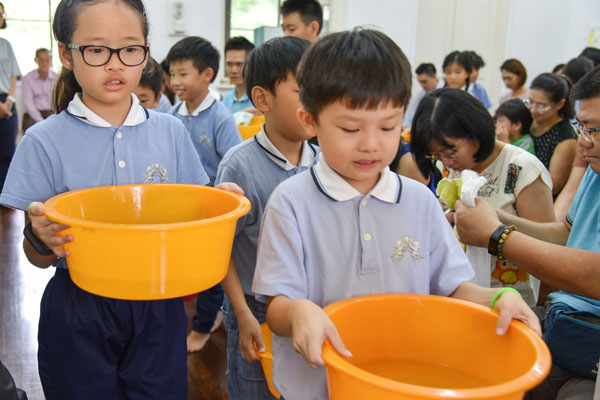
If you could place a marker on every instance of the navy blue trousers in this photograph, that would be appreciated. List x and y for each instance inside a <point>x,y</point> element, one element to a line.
<point>92,347</point>
<point>8,137</point>
<point>208,304</point>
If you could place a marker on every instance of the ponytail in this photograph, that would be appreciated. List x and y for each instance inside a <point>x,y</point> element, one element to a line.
<point>556,88</point>
<point>65,89</point>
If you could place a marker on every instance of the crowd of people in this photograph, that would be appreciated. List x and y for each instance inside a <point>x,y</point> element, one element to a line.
<point>323,216</point>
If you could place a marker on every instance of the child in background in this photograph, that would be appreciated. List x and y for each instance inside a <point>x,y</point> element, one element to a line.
<point>194,64</point>
<point>335,231</point>
<point>149,90</point>
<point>258,165</point>
<point>167,89</point>
<point>92,347</point>
<point>236,51</point>
<point>513,121</point>
<point>477,89</point>
<point>457,70</point>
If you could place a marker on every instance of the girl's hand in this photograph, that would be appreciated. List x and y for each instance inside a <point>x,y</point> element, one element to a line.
<point>47,230</point>
<point>250,332</point>
<point>512,306</point>
<point>230,187</point>
<point>310,327</point>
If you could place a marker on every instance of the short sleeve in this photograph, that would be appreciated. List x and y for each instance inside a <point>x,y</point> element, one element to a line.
<point>189,166</point>
<point>229,171</point>
<point>14,66</point>
<point>583,186</point>
<point>30,176</point>
<point>528,168</point>
<point>227,134</point>
<point>280,262</point>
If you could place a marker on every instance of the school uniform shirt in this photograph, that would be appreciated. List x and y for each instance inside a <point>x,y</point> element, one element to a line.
<point>324,241</point>
<point>164,105</point>
<point>77,149</point>
<point>212,129</point>
<point>234,104</point>
<point>584,214</point>
<point>512,171</point>
<point>8,66</point>
<point>479,92</point>
<point>257,166</point>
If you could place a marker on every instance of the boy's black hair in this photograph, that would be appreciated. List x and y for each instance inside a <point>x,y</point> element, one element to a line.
<point>152,77</point>
<point>556,88</point>
<point>164,64</point>
<point>476,60</point>
<point>451,113</point>
<point>515,111</point>
<point>588,87</point>
<point>593,54</point>
<point>198,50</point>
<point>239,43</point>
<point>427,69</point>
<point>557,68</point>
<point>309,10</point>
<point>272,62</point>
<point>576,68</point>
<point>362,68</point>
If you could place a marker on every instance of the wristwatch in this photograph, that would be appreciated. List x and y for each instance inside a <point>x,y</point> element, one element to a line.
<point>37,244</point>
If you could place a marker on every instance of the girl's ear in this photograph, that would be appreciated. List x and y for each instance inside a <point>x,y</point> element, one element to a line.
<point>65,56</point>
<point>261,99</point>
<point>307,121</point>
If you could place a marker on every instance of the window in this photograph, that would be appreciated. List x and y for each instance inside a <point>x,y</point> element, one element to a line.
<point>243,16</point>
<point>29,28</point>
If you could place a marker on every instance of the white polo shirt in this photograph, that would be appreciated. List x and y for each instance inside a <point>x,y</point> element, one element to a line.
<point>324,241</point>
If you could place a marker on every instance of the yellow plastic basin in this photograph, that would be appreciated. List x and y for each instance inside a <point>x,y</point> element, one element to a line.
<point>266,358</point>
<point>147,242</point>
<point>430,347</point>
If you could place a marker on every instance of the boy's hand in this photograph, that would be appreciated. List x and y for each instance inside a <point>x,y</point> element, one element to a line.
<point>47,230</point>
<point>230,187</point>
<point>310,327</point>
<point>250,332</point>
<point>512,306</point>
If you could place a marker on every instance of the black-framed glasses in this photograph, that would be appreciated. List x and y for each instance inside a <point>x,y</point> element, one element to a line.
<point>586,133</point>
<point>97,56</point>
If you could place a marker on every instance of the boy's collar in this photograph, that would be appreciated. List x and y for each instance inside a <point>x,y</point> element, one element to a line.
<point>206,103</point>
<point>332,185</point>
<point>137,114</point>
<point>307,158</point>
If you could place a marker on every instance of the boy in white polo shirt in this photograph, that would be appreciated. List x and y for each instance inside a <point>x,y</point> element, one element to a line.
<point>349,226</point>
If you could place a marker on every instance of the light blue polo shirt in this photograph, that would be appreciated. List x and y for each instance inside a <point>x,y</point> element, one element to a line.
<point>77,149</point>
<point>212,129</point>
<point>584,214</point>
<point>324,241</point>
<point>164,105</point>
<point>258,167</point>
<point>234,104</point>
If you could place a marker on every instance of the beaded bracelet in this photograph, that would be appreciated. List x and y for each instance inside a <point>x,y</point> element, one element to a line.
<point>499,293</point>
<point>498,238</point>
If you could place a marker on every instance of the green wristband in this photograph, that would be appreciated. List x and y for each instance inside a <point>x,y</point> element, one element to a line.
<point>499,293</point>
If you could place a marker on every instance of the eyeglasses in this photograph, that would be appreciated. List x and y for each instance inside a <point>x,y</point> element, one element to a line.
<point>587,134</point>
<point>97,56</point>
<point>539,107</point>
<point>441,157</point>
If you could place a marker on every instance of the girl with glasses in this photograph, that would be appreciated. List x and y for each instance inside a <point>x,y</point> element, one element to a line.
<point>553,136</point>
<point>455,128</point>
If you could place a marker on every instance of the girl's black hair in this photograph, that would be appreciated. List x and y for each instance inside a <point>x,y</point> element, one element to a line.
<point>65,22</point>
<point>556,88</point>
<point>462,58</point>
<point>515,111</point>
<point>451,113</point>
<point>3,19</point>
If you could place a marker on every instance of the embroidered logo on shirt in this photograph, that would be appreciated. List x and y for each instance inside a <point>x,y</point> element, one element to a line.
<point>406,245</point>
<point>204,139</point>
<point>155,169</point>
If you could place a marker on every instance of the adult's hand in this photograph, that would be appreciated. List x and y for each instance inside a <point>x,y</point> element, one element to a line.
<point>476,224</point>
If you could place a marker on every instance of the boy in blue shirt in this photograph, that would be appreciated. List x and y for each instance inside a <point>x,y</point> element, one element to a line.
<point>236,52</point>
<point>349,226</point>
<point>194,64</point>
<point>149,90</point>
<point>258,165</point>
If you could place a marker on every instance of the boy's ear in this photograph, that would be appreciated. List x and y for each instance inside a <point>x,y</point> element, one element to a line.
<point>65,56</point>
<point>260,98</point>
<point>208,74</point>
<point>307,121</point>
<point>518,126</point>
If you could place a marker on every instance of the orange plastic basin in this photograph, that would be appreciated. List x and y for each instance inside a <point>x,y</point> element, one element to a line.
<point>429,347</point>
<point>147,242</point>
<point>249,131</point>
<point>266,358</point>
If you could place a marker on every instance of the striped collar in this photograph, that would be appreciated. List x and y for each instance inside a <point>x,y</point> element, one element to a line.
<point>307,158</point>
<point>332,185</point>
<point>206,103</point>
<point>137,114</point>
